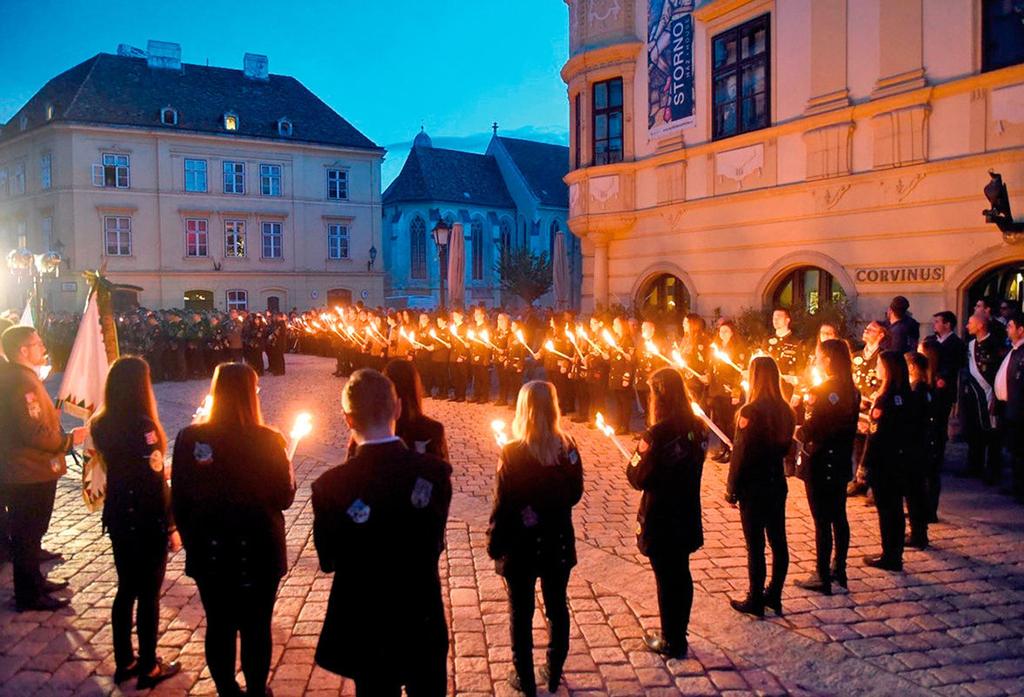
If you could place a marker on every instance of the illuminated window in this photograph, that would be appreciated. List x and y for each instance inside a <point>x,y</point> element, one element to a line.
<point>50,112</point>
<point>197,239</point>
<point>234,238</point>
<point>230,121</point>
<point>664,294</point>
<point>809,288</point>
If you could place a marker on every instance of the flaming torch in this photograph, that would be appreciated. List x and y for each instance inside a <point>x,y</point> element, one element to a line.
<point>549,346</point>
<point>521,340</point>
<point>300,429</point>
<point>500,437</point>
<point>203,412</point>
<point>435,337</point>
<point>699,413</point>
<point>610,432</point>
<point>652,349</point>
<point>724,357</point>
<point>678,359</point>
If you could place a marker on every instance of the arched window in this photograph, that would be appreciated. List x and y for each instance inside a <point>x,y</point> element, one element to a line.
<point>476,243</point>
<point>663,297</point>
<point>1005,283</point>
<point>417,248</point>
<point>505,235</point>
<point>168,116</point>
<point>808,287</point>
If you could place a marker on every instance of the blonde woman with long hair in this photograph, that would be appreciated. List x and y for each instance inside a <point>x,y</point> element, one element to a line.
<point>531,536</point>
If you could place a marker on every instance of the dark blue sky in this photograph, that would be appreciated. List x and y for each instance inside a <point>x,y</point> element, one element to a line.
<point>385,65</point>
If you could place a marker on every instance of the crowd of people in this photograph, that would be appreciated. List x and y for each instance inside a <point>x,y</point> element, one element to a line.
<point>833,418</point>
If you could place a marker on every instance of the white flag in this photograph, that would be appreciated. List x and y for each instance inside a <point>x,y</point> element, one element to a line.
<point>81,390</point>
<point>26,316</point>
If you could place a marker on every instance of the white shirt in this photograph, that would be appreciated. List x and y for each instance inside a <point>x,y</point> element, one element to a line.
<point>1002,389</point>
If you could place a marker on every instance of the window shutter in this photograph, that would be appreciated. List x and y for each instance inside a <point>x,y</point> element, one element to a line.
<point>122,175</point>
<point>97,175</point>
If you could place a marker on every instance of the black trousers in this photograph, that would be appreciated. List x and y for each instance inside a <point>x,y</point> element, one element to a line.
<point>761,517</point>
<point>481,382</point>
<point>430,682</point>
<point>827,501</point>
<point>521,597</point>
<point>440,372</point>
<point>675,594</point>
<point>915,490</point>
<point>984,456</point>
<point>30,507</point>
<point>581,394</point>
<point>623,397</point>
<point>509,382</point>
<point>460,379</point>
<point>233,611</point>
<point>598,398</point>
<point>1015,446</point>
<point>891,523</point>
<point>140,568</point>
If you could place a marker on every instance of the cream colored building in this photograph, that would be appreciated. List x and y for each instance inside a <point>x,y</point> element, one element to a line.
<point>203,186</point>
<point>847,154</point>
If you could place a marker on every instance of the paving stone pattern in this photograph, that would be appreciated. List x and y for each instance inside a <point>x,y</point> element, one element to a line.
<point>952,624</point>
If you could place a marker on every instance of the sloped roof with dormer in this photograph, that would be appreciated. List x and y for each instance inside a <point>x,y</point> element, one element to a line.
<point>543,165</point>
<point>124,91</point>
<point>449,176</point>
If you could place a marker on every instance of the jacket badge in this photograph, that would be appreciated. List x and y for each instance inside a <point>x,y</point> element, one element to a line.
<point>203,453</point>
<point>529,516</point>
<point>421,493</point>
<point>420,446</point>
<point>359,512</point>
<point>833,398</point>
<point>156,461</point>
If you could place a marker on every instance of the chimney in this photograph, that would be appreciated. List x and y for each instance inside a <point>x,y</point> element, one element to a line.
<point>256,66</point>
<point>163,55</point>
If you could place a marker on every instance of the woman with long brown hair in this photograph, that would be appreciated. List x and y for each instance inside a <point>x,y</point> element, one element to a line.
<point>667,467</point>
<point>127,434</point>
<point>531,536</point>
<point>419,432</point>
<point>231,480</point>
<point>757,481</point>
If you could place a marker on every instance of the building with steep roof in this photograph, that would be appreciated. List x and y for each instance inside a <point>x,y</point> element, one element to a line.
<point>512,194</point>
<point>204,186</point>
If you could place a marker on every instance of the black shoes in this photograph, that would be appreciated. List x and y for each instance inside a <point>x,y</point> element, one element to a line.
<point>162,670</point>
<point>658,644</point>
<point>773,601</point>
<point>749,606</point>
<point>552,680</point>
<point>47,555</point>
<point>880,562</point>
<point>816,585</point>
<point>856,488</point>
<point>516,684</point>
<point>129,671</point>
<point>43,603</point>
<point>916,542</point>
<point>840,578</point>
<point>52,586</point>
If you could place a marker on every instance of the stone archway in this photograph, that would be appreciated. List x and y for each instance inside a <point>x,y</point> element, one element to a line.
<point>653,273</point>
<point>777,273</point>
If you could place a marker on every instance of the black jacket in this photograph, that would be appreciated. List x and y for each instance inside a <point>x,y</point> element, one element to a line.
<point>229,487</point>
<point>423,435</point>
<point>138,500</point>
<point>828,431</point>
<point>378,525</point>
<point>895,422</point>
<point>667,467</point>
<point>756,468</point>
<point>531,529</point>
<point>1013,410</point>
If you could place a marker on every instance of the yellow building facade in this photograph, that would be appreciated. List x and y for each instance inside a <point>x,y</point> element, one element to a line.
<point>821,149</point>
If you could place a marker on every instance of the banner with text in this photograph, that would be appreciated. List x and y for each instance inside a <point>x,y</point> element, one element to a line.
<point>670,66</point>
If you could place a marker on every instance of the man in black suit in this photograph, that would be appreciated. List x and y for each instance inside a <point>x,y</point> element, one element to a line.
<point>1009,389</point>
<point>379,520</point>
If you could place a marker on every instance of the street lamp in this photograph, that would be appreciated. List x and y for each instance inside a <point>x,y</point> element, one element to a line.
<point>373,258</point>
<point>21,263</point>
<point>442,231</point>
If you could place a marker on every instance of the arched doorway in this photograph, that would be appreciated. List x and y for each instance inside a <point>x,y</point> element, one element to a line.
<point>339,297</point>
<point>1004,282</point>
<point>807,288</point>
<point>199,300</point>
<point>124,300</point>
<point>663,297</point>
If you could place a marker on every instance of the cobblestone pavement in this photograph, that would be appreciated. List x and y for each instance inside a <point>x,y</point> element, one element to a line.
<point>952,624</point>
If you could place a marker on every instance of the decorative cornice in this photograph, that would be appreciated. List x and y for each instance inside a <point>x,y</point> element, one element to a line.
<point>616,54</point>
<point>714,9</point>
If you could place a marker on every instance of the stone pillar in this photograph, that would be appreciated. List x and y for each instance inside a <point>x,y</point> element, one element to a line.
<point>600,243</point>
<point>828,56</point>
<point>900,47</point>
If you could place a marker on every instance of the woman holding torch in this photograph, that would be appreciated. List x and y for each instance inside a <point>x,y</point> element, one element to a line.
<point>667,467</point>
<point>136,514</point>
<point>531,536</point>
<point>231,480</point>
<point>725,393</point>
<point>757,481</point>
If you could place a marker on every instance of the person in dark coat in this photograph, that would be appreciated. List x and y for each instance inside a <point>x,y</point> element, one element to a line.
<point>32,449</point>
<point>757,481</point>
<point>895,419</point>
<point>667,467</point>
<point>531,536</point>
<point>976,407</point>
<point>418,431</point>
<point>1009,391</point>
<point>378,526</point>
<point>922,450</point>
<point>127,434</point>
<point>231,479</point>
<point>903,331</point>
<point>825,461</point>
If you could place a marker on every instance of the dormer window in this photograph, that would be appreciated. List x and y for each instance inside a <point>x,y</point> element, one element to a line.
<point>50,112</point>
<point>23,122</point>
<point>284,127</point>
<point>168,116</point>
<point>230,121</point>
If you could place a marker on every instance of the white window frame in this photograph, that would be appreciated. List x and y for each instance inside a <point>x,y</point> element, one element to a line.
<point>195,172</point>
<point>201,227</point>
<point>229,117</point>
<point>284,127</point>
<point>46,171</point>
<point>46,232</point>
<point>269,230</point>
<point>123,233</point>
<point>18,179</point>
<point>341,177</point>
<point>237,175</point>
<point>174,116</point>
<point>267,179</point>
<point>236,299</point>
<point>234,239</point>
<point>118,166</point>
<point>338,236</point>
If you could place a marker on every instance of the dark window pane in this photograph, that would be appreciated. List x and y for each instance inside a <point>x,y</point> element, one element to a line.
<point>725,50</point>
<point>600,126</point>
<point>615,124</point>
<point>615,93</point>
<point>753,80</point>
<point>601,95</point>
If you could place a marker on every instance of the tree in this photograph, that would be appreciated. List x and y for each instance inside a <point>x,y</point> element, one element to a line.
<point>524,274</point>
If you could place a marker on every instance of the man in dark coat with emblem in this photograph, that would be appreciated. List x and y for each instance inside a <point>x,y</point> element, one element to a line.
<point>378,525</point>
